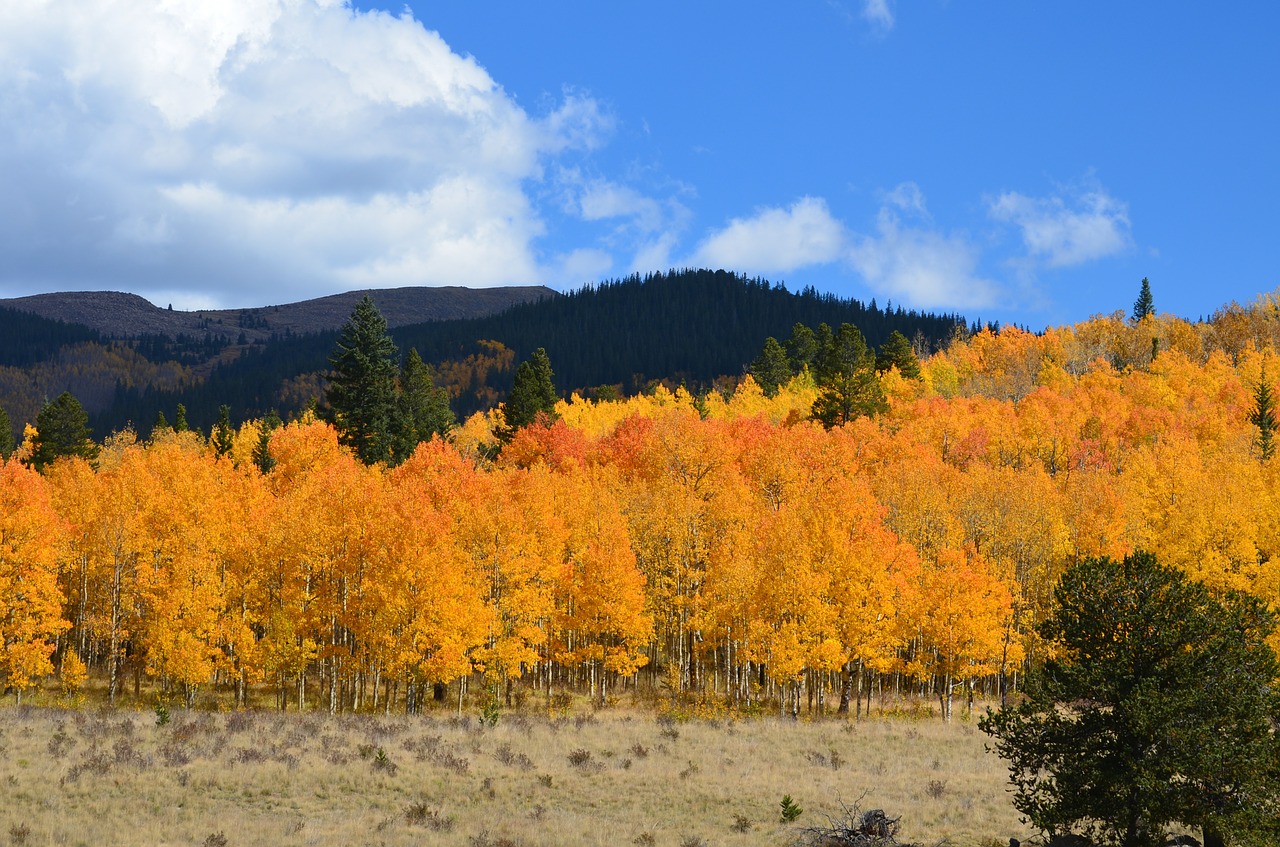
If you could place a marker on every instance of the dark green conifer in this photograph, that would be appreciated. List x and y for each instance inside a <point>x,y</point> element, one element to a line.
<point>1145,305</point>
<point>424,406</point>
<point>848,385</point>
<point>824,352</point>
<point>533,394</point>
<point>897,352</point>
<point>771,369</point>
<point>361,395</point>
<point>7,443</point>
<point>223,436</point>
<point>1263,416</point>
<point>262,452</point>
<point>180,419</point>
<point>62,430</point>
<point>802,346</point>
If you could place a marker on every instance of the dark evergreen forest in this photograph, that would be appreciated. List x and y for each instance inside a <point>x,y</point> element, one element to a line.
<point>683,327</point>
<point>26,339</point>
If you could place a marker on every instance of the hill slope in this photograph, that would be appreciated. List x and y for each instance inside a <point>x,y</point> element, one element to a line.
<point>686,327</point>
<point>119,315</point>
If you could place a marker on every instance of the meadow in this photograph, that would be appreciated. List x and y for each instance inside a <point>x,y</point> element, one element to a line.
<point>618,776</point>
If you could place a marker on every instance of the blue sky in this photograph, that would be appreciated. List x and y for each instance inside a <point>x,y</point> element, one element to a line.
<point>1021,162</point>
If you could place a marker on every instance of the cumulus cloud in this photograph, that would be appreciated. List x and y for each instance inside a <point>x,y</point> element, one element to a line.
<point>267,149</point>
<point>776,240</point>
<point>924,268</point>
<point>1061,232</point>
<point>912,263</point>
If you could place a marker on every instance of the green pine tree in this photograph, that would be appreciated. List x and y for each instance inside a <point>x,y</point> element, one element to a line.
<point>62,430</point>
<point>532,394</point>
<point>161,424</point>
<point>361,396</point>
<point>771,369</point>
<point>262,451</point>
<point>180,419</point>
<point>223,436</point>
<point>1263,416</point>
<point>848,385</point>
<point>896,351</point>
<point>1145,305</point>
<point>802,346</point>
<point>824,341</point>
<point>423,406</point>
<point>7,442</point>
<point>1156,708</point>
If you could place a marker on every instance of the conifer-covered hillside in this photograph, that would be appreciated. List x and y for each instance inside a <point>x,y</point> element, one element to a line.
<point>682,327</point>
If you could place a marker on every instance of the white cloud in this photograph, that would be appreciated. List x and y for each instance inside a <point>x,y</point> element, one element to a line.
<point>908,197</point>
<point>878,13</point>
<point>923,268</point>
<point>1063,232</point>
<point>604,200</point>
<point>580,267</point>
<point>776,239</point>
<point>267,149</point>
<point>654,255</point>
<point>646,226</point>
<point>919,266</point>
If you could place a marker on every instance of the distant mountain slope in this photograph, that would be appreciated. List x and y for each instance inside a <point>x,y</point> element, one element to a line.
<point>683,326</point>
<point>118,315</point>
<point>689,325</point>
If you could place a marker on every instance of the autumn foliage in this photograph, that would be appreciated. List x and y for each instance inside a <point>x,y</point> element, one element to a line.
<point>723,548</point>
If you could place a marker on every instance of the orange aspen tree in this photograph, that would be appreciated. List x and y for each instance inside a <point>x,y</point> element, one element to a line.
<point>432,613</point>
<point>512,541</point>
<point>333,503</point>
<point>101,577</point>
<point>684,498</point>
<point>961,618</point>
<point>601,622</point>
<point>31,537</point>
<point>179,584</point>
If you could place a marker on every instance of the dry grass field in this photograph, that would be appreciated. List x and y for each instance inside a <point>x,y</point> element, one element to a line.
<point>99,777</point>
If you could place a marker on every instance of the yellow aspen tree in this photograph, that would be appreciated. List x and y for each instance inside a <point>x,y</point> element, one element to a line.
<point>179,583</point>
<point>601,620</point>
<point>961,618</point>
<point>31,537</point>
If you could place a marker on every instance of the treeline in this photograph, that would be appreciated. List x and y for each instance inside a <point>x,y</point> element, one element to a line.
<point>683,327</point>
<point>688,327</point>
<point>721,548</point>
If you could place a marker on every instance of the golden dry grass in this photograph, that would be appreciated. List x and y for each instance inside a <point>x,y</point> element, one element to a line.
<point>93,777</point>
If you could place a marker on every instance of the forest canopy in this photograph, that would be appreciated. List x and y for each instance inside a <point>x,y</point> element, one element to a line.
<point>722,547</point>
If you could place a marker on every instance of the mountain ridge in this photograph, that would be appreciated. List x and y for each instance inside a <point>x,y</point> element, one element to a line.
<point>118,314</point>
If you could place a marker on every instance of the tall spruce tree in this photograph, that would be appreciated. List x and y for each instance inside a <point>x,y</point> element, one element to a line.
<point>62,430</point>
<point>262,450</point>
<point>771,369</point>
<point>223,436</point>
<point>1145,305</point>
<point>423,406</point>
<point>848,385</point>
<point>361,396</point>
<point>7,442</point>
<point>802,346</point>
<point>897,352</point>
<point>532,394</point>
<point>1263,416</point>
<point>824,342</point>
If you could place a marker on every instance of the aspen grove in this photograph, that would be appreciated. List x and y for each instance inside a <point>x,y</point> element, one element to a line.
<point>724,549</point>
